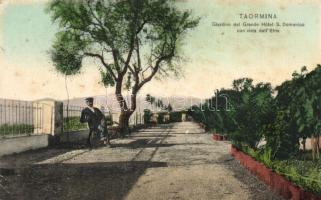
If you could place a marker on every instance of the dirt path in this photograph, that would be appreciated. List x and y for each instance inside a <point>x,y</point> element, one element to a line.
<point>176,161</point>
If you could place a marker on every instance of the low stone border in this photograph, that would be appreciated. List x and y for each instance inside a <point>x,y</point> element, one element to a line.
<point>24,143</point>
<point>276,182</point>
<point>219,137</point>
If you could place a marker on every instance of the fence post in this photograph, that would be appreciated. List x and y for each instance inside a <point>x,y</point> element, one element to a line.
<point>51,118</point>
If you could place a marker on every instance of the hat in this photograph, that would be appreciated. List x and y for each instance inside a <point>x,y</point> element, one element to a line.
<point>89,99</point>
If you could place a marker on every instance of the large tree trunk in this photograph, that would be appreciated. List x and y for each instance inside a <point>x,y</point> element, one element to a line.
<point>124,123</point>
<point>125,111</point>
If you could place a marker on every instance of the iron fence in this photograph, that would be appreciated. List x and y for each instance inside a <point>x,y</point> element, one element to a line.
<point>136,118</point>
<point>20,118</point>
<point>71,116</point>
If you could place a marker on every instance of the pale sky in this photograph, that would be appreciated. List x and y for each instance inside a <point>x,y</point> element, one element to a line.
<point>215,56</point>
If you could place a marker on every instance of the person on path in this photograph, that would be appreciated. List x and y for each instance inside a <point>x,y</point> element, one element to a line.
<point>96,121</point>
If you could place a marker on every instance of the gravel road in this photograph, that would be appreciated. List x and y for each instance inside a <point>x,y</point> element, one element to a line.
<point>175,161</point>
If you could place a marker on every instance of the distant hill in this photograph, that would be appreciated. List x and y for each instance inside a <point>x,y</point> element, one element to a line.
<point>23,112</point>
<point>177,103</point>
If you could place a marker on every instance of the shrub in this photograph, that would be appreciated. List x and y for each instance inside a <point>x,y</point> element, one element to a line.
<point>109,120</point>
<point>160,118</point>
<point>147,116</point>
<point>306,174</point>
<point>283,142</point>
<point>16,129</point>
<point>175,116</point>
<point>73,124</point>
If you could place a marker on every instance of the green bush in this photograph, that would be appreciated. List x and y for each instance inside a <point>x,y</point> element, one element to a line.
<point>73,124</point>
<point>109,120</point>
<point>281,120</point>
<point>16,129</point>
<point>303,173</point>
<point>256,113</point>
<point>175,116</point>
<point>147,116</point>
<point>160,118</point>
<point>306,174</point>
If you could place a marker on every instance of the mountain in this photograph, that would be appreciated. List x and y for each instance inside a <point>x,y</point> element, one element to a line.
<point>177,103</point>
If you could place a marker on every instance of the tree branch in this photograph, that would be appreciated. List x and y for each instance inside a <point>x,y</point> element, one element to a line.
<point>100,25</point>
<point>155,69</point>
<point>109,69</point>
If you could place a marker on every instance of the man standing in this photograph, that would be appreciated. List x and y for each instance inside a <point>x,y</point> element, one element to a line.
<point>95,119</point>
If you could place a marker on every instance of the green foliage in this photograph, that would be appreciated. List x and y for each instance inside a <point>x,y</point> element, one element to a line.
<point>157,102</point>
<point>240,112</point>
<point>123,32</point>
<point>266,157</point>
<point>65,53</point>
<point>292,114</point>
<point>109,120</point>
<point>303,173</point>
<point>280,138</point>
<point>147,116</point>
<point>106,79</point>
<point>132,40</point>
<point>197,114</point>
<point>252,111</point>
<point>16,129</point>
<point>128,81</point>
<point>161,117</point>
<point>175,116</point>
<point>303,96</point>
<point>256,115</point>
<point>73,124</point>
<point>169,108</point>
<point>298,116</point>
<point>149,98</point>
<point>160,104</point>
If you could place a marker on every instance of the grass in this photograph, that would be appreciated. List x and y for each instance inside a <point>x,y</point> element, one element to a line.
<point>16,129</point>
<point>306,174</point>
<point>73,124</point>
<point>303,173</point>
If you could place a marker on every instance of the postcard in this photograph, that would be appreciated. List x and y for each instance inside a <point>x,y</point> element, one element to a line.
<point>160,99</point>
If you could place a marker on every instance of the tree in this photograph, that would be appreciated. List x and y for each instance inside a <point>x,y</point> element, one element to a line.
<point>150,99</point>
<point>251,111</point>
<point>132,40</point>
<point>169,108</point>
<point>300,100</point>
<point>159,104</point>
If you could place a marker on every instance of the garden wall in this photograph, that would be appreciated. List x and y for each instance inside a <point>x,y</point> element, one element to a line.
<point>23,143</point>
<point>74,136</point>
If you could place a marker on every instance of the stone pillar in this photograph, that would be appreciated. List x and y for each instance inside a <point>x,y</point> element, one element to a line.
<point>154,118</point>
<point>166,118</point>
<point>183,117</point>
<point>48,117</point>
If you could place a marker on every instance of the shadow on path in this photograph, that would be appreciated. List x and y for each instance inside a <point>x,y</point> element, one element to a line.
<point>109,180</point>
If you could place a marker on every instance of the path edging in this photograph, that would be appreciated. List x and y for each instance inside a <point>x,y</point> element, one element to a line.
<point>219,137</point>
<point>276,182</point>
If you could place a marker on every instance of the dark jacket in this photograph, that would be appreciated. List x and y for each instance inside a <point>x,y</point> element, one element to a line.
<point>92,118</point>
